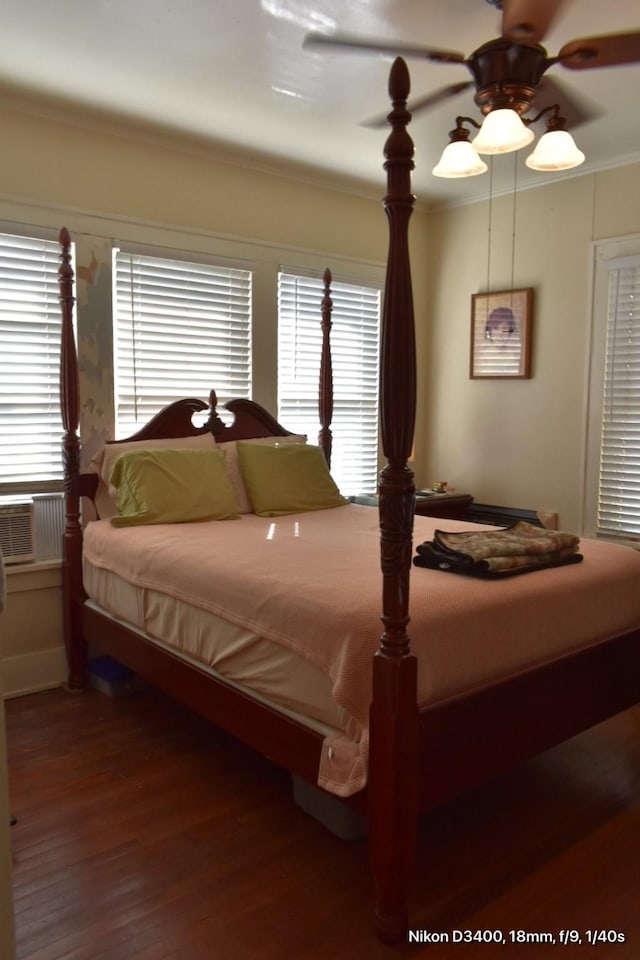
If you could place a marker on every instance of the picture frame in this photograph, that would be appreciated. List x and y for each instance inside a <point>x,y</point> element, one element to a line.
<point>501,326</point>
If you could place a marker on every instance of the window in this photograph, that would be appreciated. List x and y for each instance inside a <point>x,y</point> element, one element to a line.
<point>181,329</point>
<point>613,464</point>
<point>354,349</point>
<point>30,323</point>
<point>619,488</point>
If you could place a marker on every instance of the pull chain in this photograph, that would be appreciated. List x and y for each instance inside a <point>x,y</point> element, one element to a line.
<point>513,224</point>
<point>490,225</point>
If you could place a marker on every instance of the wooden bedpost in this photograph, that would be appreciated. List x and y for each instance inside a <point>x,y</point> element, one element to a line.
<point>72,590</point>
<point>393,768</point>
<point>325,395</point>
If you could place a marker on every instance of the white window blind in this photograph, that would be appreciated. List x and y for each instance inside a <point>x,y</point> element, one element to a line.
<point>181,329</point>
<point>30,323</point>
<point>619,487</point>
<point>355,337</point>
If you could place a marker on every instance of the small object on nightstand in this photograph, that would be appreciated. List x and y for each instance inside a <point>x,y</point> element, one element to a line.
<point>439,486</point>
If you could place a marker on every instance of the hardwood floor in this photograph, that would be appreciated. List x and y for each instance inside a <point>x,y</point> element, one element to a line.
<point>145,833</point>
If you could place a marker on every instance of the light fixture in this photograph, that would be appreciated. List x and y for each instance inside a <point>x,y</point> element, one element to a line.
<point>459,159</point>
<point>556,149</point>
<point>503,130</point>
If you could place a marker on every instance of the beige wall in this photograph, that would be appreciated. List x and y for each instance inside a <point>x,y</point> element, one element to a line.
<point>518,442</point>
<point>152,181</point>
<point>31,646</point>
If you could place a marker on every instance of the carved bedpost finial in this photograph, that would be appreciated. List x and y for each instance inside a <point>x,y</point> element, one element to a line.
<point>325,396</point>
<point>214,424</point>
<point>399,143</point>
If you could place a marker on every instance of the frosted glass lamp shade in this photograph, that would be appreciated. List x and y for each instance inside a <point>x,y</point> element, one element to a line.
<point>459,159</point>
<point>555,150</point>
<point>502,131</point>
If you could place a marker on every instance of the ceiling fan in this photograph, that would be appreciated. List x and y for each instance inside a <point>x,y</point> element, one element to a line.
<point>508,71</point>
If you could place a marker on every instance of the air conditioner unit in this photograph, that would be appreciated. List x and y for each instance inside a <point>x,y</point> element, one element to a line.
<point>17,530</point>
<point>48,524</point>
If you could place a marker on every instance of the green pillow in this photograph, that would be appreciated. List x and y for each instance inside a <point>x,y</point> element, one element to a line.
<point>172,486</point>
<point>291,478</point>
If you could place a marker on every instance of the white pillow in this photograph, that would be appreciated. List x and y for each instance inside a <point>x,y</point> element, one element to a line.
<point>243,502</point>
<point>105,460</point>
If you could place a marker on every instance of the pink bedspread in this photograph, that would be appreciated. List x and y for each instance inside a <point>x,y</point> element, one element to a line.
<point>313,583</point>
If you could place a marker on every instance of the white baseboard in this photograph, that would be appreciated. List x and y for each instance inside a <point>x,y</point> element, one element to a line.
<point>33,672</point>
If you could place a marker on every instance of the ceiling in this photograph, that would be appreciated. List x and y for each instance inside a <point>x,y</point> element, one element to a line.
<point>233,75</point>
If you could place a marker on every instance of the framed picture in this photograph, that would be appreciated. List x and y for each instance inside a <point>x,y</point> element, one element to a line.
<point>501,334</point>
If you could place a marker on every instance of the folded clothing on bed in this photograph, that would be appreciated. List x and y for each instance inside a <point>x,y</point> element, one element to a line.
<point>498,553</point>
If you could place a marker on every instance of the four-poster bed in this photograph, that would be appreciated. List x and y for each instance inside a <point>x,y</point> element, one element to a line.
<point>420,724</point>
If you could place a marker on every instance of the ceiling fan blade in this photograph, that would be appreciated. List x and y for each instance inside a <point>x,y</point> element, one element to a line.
<point>422,103</point>
<point>608,51</point>
<point>527,21</point>
<point>575,108</point>
<point>392,49</point>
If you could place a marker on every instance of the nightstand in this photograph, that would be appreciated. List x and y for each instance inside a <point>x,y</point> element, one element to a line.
<point>449,506</point>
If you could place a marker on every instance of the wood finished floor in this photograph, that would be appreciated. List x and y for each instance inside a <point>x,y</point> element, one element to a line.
<point>144,833</point>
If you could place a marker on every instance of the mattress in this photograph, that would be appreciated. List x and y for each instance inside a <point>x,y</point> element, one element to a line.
<point>257,665</point>
<point>310,585</point>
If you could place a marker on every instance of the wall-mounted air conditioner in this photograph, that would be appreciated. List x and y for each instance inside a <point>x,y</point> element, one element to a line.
<point>48,524</point>
<point>17,529</point>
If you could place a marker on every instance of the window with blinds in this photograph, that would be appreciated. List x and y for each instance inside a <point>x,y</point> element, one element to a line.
<point>619,486</point>
<point>355,337</point>
<point>181,329</point>
<point>30,324</point>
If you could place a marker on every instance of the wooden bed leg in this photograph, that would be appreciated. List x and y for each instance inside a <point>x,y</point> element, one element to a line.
<point>393,775</point>
<point>72,589</point>
<point>393,759</point>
